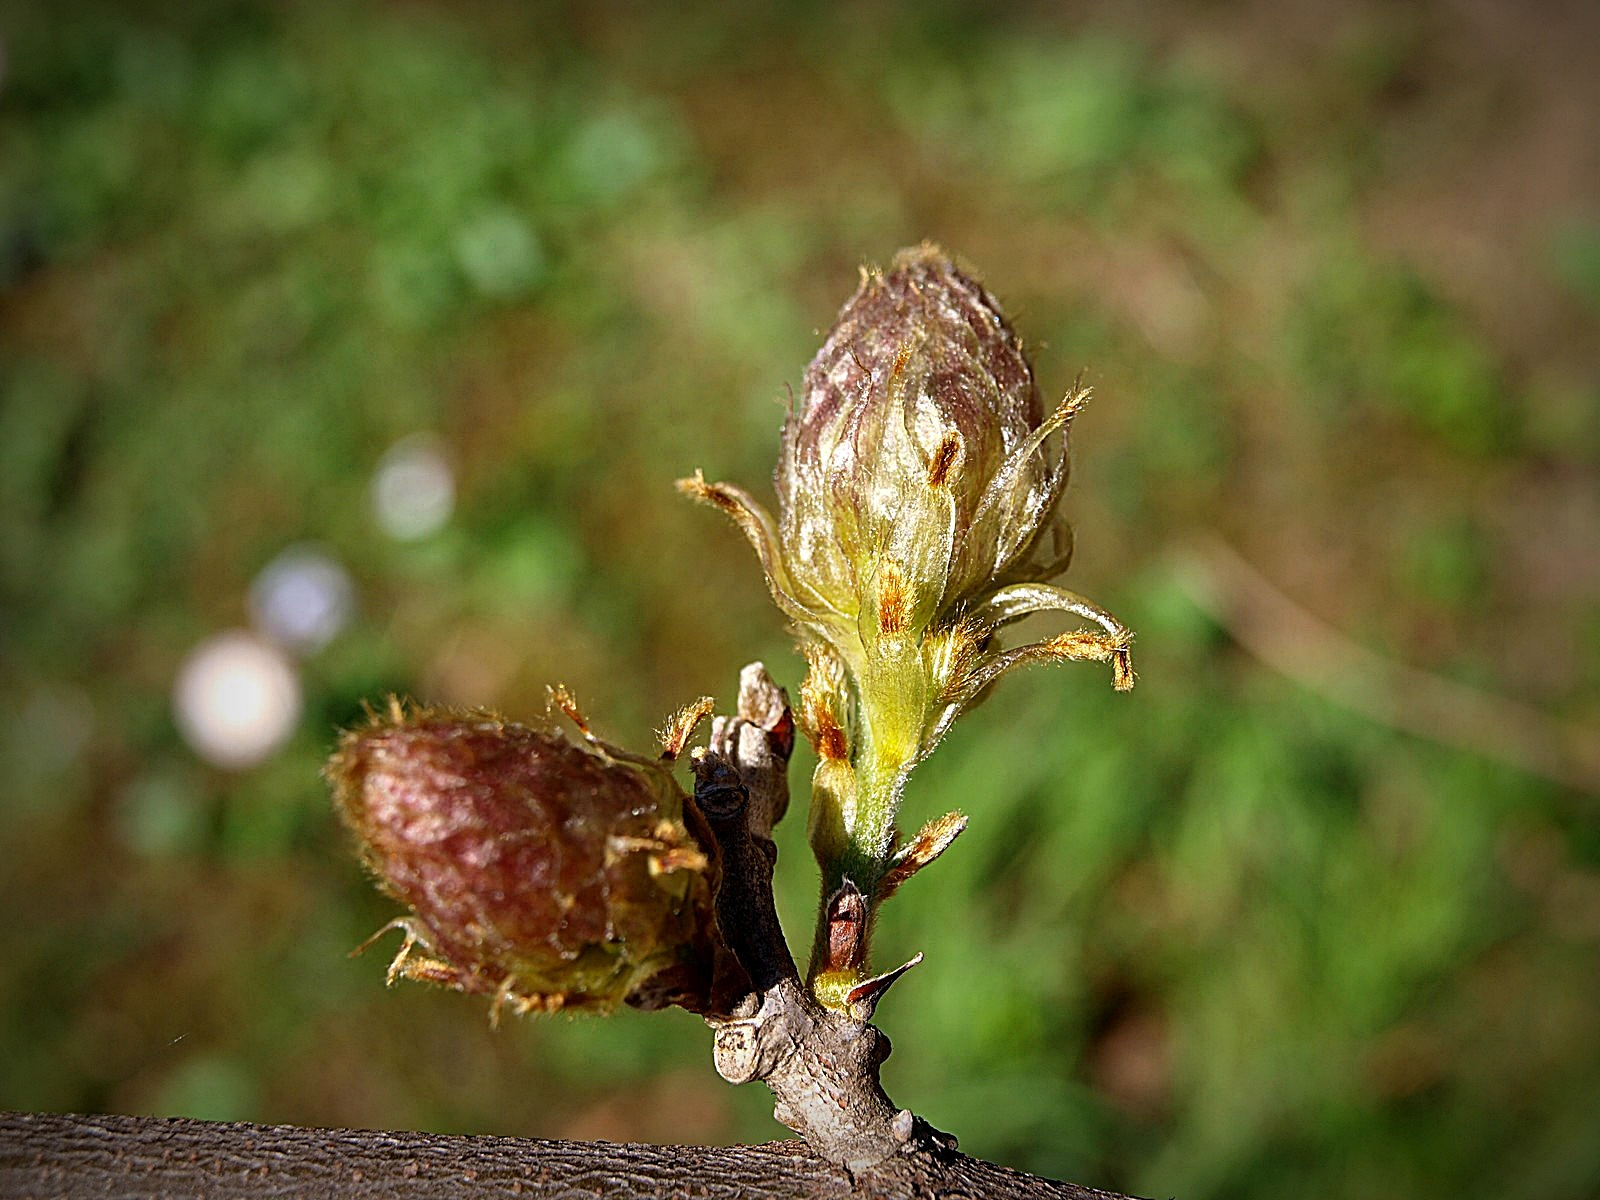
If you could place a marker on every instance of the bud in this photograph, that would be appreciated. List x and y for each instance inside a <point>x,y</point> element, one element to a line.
<point>919,488</point>
<point>537,872</point>
<point>919,483</point>
<point>919,469</point>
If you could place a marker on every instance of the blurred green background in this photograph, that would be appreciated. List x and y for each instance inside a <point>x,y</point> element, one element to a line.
<point>1314,911</point>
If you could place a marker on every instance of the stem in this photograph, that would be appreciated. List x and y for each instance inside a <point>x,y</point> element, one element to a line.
<point>855,840</point>
<point>821,1063</point>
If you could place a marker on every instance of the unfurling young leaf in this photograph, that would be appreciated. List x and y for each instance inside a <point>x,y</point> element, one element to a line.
<point>919,488</point>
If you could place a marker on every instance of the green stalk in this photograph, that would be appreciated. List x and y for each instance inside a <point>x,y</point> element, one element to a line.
<point>854,805</point>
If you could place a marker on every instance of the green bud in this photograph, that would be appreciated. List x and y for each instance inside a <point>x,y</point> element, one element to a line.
<point>918,470</point>
<point>537,872</point>
<point>919,489</point>
<point>919,481</point>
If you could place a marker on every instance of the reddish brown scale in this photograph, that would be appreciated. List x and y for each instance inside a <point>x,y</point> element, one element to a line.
<point>847,919</point>
<point>943,459</point>
<point>831,742</point>
<point>892,603</point>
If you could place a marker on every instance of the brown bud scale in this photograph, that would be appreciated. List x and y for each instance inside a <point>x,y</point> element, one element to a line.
<point>536,871</point>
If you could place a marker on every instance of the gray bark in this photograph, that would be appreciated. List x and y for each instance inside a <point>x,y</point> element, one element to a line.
<point>821,1064</point>
<point>91,1158</point>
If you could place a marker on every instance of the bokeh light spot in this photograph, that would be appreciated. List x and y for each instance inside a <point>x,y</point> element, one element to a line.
<point>500,254</point>
<point>413,489</point>
<point>236,699</point>
<point>302,598</point>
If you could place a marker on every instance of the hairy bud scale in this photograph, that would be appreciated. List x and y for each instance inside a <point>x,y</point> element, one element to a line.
<point>536,871</point>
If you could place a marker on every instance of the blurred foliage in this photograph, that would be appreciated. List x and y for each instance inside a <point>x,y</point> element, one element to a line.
<point>1335,279</point>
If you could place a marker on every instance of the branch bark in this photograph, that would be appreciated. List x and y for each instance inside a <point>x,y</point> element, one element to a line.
<point>821,1063</point>
<point>89,1157</point>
